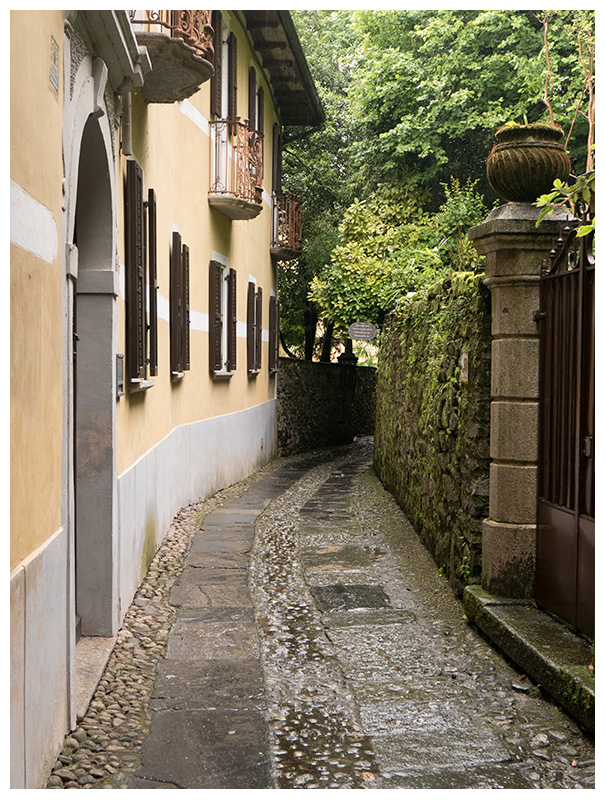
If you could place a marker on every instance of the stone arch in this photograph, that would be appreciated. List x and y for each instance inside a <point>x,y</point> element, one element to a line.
<point>90,247</point>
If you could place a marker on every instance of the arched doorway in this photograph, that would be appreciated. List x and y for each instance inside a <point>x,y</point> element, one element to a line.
<point>93,388</point>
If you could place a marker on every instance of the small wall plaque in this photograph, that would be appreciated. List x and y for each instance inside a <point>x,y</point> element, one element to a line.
<point>464,367</point>
<point>54,64</point>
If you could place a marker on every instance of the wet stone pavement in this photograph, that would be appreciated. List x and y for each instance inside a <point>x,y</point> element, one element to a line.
<point>294,633</point>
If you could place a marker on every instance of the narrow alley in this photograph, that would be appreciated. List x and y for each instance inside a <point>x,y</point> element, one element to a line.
<point>292,632</point>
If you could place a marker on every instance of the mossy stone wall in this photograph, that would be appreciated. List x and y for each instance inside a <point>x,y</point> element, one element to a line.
<point>322,404</point>
<point>433,423</point>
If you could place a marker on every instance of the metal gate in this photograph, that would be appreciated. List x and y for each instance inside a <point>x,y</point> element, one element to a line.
<point>566,476</point>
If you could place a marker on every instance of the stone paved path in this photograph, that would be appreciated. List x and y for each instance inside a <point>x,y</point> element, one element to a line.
<point>294,633</point>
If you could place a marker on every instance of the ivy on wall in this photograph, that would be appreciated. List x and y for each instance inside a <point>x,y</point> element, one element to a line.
<point>432,418</point>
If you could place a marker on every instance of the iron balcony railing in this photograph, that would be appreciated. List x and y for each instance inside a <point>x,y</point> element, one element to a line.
<point>286,234</point>
<point>192,26</point>
<point>236,169</point>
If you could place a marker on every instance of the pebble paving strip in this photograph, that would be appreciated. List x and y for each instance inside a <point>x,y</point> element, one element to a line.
<point>106,743</point>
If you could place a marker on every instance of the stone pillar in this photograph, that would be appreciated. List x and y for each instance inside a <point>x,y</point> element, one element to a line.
<point>514,250</point>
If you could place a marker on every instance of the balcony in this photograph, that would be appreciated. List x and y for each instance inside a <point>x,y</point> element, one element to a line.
<point>236,169</point>
<point>286,229</point>
<point>180,46</point>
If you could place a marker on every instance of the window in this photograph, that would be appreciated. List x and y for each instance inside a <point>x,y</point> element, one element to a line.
<point>222,319</point>
<point>179,306</point>
<point>141,277</point>
<point>254,328</point>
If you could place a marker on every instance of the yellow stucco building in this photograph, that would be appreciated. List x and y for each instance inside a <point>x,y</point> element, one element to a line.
<point>146,221</point>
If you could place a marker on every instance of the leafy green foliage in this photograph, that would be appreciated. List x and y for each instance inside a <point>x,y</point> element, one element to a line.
<point>390,247</point>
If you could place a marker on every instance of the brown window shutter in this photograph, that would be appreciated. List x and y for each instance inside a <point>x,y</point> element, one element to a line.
<point>185,307</point>
<point>250,338</point>
<point>153,283</point>
<point>259,329</point>
<point>277,159</point>
<point>260,122</point>
<point>232,321</point>
<point>252,116</point>
<point>135,272</point>
<point>215,316</point>
<point>216,83</point>
<point>273,333</point>
<point>176,307</point>
<point>232,77</point>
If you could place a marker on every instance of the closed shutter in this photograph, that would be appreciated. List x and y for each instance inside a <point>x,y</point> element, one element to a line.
<point>216,83</point>
<point>277,159</point>
<point>273,334</point>
<point>185,307</point>
<point>215,316</point>
<point>252,116</point>
<point>153,283</point>
<point>135,272</point>
<point>232,78</point>
<point>259,329</point>
<point>250,336</point>
<point>176,304</point>
<point>232,321</point>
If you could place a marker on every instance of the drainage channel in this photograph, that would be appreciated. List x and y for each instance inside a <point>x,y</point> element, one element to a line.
<point>316,735</point>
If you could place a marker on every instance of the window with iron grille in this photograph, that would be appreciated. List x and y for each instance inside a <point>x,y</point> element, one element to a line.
<point>222,319</point>
<point>141,279</point>
<point>254,328</point>
<point>179,306</point>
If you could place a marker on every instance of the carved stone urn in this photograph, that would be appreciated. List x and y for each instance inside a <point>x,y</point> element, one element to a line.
<point>526,160</point>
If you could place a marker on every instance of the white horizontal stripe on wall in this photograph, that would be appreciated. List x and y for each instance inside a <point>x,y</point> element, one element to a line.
<point>32,225</point>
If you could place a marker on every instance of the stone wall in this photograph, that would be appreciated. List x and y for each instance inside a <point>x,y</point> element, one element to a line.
<point>433,420</point>
<point>322,404</point>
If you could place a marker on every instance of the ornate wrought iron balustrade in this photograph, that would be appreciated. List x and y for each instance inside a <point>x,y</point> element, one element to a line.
<point>237,161</point>
<point>192,26</point>
<point>286,232</point>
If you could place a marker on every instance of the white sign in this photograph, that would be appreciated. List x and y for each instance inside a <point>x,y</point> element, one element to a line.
<point>363,331</point>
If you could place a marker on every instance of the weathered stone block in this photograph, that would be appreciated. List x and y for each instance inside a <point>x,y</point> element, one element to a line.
<point>515,368</point>
<point>514,431</point>
<point>513,491</point>
<point>513,307</point>
<point>509,559</point>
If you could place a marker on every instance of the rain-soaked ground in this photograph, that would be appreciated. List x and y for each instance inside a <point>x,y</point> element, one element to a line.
<point>293,632</point>
<point>373,678</point>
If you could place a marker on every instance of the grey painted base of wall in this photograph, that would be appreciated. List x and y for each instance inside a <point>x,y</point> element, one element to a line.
<point>189,465</point>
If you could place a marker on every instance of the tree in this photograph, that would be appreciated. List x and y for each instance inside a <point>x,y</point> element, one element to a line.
<point>433,86</point>
<point>390,246</point>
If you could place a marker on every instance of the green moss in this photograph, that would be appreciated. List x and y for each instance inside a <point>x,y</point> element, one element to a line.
<point>429,423</point>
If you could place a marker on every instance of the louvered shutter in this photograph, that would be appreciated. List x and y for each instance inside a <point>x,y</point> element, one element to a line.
<point>215,316</point>
<point>232,77</point>
<point>250,337</point>
<point>258,318</point>
<point>135,272</point>
<point>277,159</point>
<point>153,283</point>
<point>232,321</point>
<point>185,307</point>
<point>260,126</point>
<point>252,116</point>
<point>216,83</point>
<point>273,333</point>
<point>176,304</point>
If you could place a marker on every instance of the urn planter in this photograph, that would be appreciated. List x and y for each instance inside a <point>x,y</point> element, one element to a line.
<point>526,160</point>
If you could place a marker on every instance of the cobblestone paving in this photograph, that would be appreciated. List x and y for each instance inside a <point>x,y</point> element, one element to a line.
<point>373,678</point>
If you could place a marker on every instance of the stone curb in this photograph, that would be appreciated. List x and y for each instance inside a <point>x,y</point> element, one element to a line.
<point>553,657</point>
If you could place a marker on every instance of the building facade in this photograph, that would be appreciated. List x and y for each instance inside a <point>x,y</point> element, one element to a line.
<point>146,221</point>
